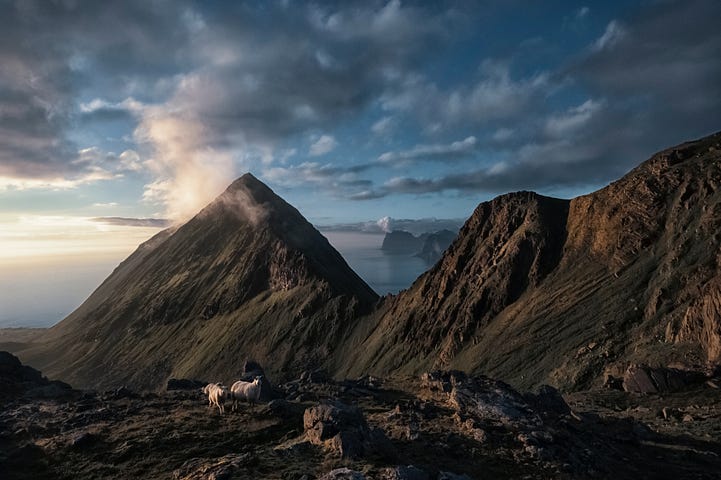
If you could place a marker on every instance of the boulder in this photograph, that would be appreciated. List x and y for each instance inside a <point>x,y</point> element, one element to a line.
<point>83,440</point>
<point>452,476</point>
<point>343,430</point>
<point>408,472</point>
<point>549,399</point>
<point>343,474</point>
<point>645,379</point>
<point>314,376</point>
<point>21,381</point>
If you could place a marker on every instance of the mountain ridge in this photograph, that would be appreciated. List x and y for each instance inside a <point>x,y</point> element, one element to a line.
<point>533,290</point>
<point>632,271</point>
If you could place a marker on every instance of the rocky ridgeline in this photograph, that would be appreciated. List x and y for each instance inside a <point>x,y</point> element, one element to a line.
<point>22,381</point>
<point>444,425</point>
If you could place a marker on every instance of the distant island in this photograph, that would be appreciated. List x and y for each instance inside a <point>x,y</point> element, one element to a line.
<point>428,246</point>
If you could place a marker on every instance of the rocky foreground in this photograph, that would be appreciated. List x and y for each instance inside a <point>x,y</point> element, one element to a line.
<point>444,425</point>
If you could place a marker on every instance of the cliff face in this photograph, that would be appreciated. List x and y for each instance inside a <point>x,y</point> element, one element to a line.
<point>435,244</point>
<point>400,242</point>
<point>539,290</point>
<point>246,277</point>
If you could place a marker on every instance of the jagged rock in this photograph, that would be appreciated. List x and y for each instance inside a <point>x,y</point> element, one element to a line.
<point>491,400</point>
<point>314,376</point>
<point>644,379</point>
<point>284,409</point>
<point>122,392</point>
<point>452,476</point>
<point>550,400</point>
<point>211,468</point>
<point>442,380</point>
<point>343,474</point>
<point>184,384</point>
<point>613,383</point>
<point>343,430</point>
<point>407,472</point>
<point>83,440</point>
<point>18,380</point>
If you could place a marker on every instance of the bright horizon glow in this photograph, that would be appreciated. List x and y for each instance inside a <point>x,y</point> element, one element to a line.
<point>37,238</point>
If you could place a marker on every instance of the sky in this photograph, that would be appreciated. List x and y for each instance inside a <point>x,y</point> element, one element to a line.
<point>116,112</point>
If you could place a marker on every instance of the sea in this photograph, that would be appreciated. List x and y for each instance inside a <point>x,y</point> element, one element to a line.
<point>385,273</point>
<point>43,293</point>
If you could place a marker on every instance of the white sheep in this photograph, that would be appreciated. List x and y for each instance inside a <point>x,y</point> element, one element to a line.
<point>247,391</point>
<point>217,394</point>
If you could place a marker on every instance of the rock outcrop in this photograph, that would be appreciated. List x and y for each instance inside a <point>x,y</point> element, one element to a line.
<point>343,429</point>
<point>435,244</point>
<point>401,242</point>
<point>21,381</point>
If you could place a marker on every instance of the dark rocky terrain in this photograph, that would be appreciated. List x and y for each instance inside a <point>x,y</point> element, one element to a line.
<point>441,425</point>
<point>540,290</point>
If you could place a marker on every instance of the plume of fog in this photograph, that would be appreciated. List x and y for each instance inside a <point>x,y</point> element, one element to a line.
<point>385,224</point>
<point>188,172</point>
<point>241,202</point>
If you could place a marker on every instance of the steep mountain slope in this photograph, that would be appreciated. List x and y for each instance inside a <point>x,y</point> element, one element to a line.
<point>248,276</point>
<point>538,290</point>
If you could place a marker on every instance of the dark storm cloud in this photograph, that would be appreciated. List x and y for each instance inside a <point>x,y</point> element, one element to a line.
<point>666,62</point>
<point>49,51</point>
<point>266,71</point>
<point>220,80</point>
<point>652,81</point>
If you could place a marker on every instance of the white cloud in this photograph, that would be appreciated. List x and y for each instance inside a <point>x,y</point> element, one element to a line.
<point>188,173</point>
<point>455,149</point>
<point>502,134</point>
<point>129,104</point>
<point>130,161</point>
<point>611,36</point>
<point>324,144</point>
<point>494,95</point>
<point>383,126</point>
<point>562,124</point>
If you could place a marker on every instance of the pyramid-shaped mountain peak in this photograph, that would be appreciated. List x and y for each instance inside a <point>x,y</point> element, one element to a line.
<point>247,277</point>
<point>249,200</point>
